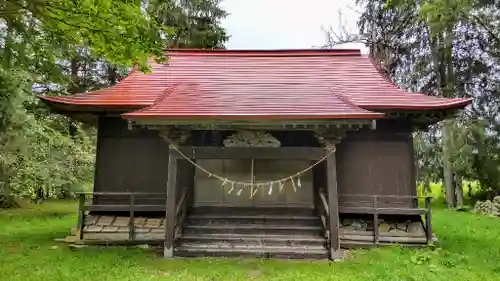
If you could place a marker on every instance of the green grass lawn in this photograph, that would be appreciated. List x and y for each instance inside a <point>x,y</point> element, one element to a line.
<point>469,249</point>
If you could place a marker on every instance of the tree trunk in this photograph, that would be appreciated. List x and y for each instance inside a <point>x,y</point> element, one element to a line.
<point>449,188</point>
<point>469,191</point>
<point>7,200</point>
<point>112,75</point>
<point>73,89</point>
<point>443,65</point>
<point>9,44</point>
<point>427,187</point>
<point>459,190</point>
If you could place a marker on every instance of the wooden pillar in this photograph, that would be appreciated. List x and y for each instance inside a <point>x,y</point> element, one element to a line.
<point>170,208</point>
<point>333,205</point>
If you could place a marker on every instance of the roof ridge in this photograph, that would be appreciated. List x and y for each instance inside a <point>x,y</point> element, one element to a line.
<point>263,52</point>
<point>384,76</point>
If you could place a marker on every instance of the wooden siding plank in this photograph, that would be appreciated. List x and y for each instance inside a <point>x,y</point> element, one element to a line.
<point>377,162</point>
<point>129,160</point>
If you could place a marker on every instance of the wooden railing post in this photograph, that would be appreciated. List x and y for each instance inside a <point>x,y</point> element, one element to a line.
<point>131,225</point>
<point>81,216</point>
<point>376,230</point>
<point>428,223</point>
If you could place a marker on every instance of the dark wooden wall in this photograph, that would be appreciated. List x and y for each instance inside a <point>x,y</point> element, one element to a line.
<point>369,162</point>
<point>129,161</point>
<point>376,162</point>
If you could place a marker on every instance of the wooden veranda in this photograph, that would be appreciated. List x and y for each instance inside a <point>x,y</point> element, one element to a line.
<point>167,229</point>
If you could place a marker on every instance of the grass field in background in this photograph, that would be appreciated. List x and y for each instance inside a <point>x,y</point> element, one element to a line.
<point>468,249</point>
<point>438,194</point>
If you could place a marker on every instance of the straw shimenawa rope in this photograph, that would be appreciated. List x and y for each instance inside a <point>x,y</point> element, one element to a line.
<point>251,185</point>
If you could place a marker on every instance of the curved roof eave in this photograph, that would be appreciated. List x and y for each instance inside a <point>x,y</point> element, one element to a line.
<point>452,104</point>
<point>66,104</point>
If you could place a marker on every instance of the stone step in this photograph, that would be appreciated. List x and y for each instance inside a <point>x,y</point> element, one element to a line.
<point>254,229</point>
<point>255,239</point>
<point>287,252</point>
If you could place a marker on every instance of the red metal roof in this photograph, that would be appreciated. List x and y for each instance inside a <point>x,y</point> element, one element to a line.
<point>250,100</point>
<point>235,83</point>
<point>137,89</point>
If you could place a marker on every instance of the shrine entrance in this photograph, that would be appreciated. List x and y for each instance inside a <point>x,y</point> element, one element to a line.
<point>293,193</point>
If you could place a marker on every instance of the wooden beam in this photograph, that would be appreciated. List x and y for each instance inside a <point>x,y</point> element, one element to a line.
<point>125,208</point>
<point>171,198</point>
<point>382,211</point>
<point>282,153</point>
<point>333,206</point>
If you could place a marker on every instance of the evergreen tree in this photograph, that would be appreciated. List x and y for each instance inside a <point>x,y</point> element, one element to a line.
<point>445,48</point>
<point>195,23</point>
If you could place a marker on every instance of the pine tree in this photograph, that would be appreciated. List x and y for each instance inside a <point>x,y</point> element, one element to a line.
<point>195,23</point>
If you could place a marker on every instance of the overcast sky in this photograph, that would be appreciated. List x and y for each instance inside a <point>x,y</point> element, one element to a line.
<point>284,24</point>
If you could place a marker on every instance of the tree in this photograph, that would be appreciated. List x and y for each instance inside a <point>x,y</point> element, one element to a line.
<point>196,23</point>
<point>38,156</point>
<point>65,47</point>
<point>119,31</point>
<point>445,48</point>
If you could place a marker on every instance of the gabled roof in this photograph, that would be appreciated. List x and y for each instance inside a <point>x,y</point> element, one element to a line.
<point>271,84</point>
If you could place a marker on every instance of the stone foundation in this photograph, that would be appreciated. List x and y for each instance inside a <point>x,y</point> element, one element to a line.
<point>385,226</point>
<point>97,223</point>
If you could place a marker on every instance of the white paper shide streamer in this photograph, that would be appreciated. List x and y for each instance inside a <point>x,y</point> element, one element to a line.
<point>294,180</point>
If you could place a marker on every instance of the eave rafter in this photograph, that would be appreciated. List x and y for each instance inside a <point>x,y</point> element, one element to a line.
<point>330,136</point>
<point>283,125</point>
<point>421,120</point>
